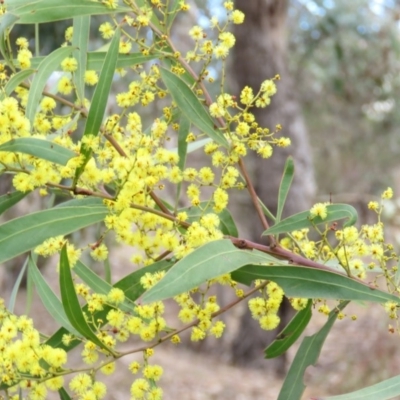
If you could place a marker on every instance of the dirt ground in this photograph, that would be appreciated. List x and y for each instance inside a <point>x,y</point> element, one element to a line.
<point>356,354</point>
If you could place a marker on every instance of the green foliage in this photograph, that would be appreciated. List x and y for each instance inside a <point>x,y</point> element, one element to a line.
<point>106,169</point>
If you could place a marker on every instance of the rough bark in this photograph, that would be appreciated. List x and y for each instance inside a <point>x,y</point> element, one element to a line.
<point>259,54</point>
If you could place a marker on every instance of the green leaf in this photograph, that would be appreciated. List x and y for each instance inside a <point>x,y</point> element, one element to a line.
<point>98,285</point>
<point>14,292</point>
<point>308,353</point>
<point>40,11</point>
<point>302,220</point>
<point>63,394</point>
<point>9,199</point>
<point>25,233</point>
<point>17,79</point>
<point>131,285</point>
<point>184,127</point>
<point>50,301</point>
<point>290,333</point>
<point>207,262</point>
<point>174,6</point>
<point>6,21</point>
<point>286,182</point>
<point>385,390</point>
<point>95,60</point>
<point>99,100</point>
<point>265,210</point>
<point>40,148</point>
<point>45,69</point>
<point>71,304</point>
<point>310,283</point>
<point>80,40</point>
<point>190,106</point>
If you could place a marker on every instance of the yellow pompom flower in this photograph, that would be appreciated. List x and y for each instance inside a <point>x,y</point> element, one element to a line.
<point>319,210</point>
<point>91,77</point>
<point>388,193</point>
<point>69,64</point>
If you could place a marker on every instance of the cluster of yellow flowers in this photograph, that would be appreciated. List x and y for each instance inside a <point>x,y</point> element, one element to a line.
<point>349,247</point>
<point>25,360</point>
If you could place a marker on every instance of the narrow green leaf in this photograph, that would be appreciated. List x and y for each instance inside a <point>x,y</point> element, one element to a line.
<point>63,394</point>
<point>6,21</point>
<point>15,289</point>
<point>16,80</point>
<point>290,333</point>
<point>80,40</point>
<point>385,390</point>
<point>308,353</point>
<point>265,210</point>
<point>310,283</point>
<point>302,220</point>
<point>131,285</point>
<point>207,262</point>
<point>174,6</point>
<point>25,233</point>
<point>287,178</point>
<point>40,148</point>
<point>40,11</point>
<point>45,69</point>
<point>71,304</point>
<point>184,127</point>
<point>9,199</point>
<point>50,301</point>
<point>95,60</point>
<point>190,106</point>
<point>99,100</point>
<point>107,270</point>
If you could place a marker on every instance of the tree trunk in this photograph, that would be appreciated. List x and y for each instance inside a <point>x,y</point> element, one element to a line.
<point>259,54</point>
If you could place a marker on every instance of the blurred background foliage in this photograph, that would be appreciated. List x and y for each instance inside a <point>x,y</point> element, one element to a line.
<point>344,56</point>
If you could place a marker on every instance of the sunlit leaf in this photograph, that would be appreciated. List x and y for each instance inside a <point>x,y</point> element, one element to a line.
<point>95,60</point>
<point>207,262</point>
<point>45,69</point>
<point>17,79</point>
<point>80,41</point>
<point>25,233</point>
<point>40,148</point>
<point>303,220</point>
<point>190,106</point>
<point>309,283</point>
<point>39,11</point>
<point>99,100</point>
